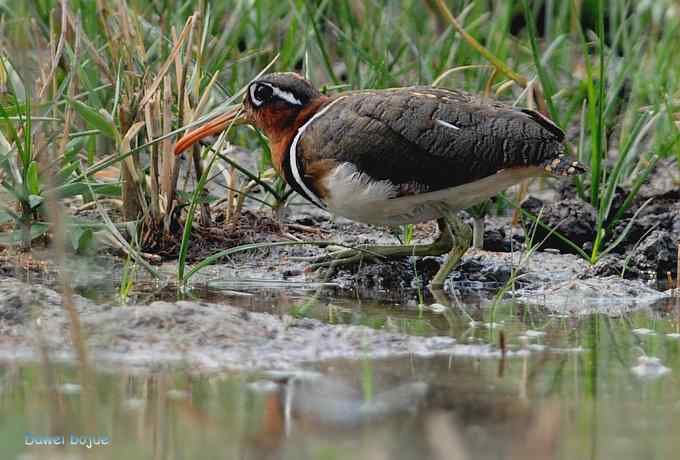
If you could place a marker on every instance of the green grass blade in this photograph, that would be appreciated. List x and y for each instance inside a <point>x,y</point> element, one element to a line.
<point>95,120</point>
<point>321,43</point>
<point>622,236</point>
<point>545,226</point>
<point>599,134</point>
<point>634,190</point>
<point>547,82</point>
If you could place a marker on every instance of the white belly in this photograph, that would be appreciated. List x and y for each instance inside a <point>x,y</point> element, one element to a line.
<point>356,196</point>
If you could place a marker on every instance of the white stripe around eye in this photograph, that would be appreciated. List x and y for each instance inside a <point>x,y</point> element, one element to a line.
<point>286,96</point>
<point>278,92</point>
<point>295,168</point>
<point>253,99</point>
<point>446,124</point>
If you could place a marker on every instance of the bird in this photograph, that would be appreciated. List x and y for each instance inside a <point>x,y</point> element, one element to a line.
<point>396,156</point>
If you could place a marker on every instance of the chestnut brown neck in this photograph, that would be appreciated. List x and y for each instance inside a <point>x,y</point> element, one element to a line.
<point>281,130</point>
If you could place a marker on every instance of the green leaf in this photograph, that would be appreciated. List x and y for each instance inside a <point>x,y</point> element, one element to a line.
<point>204,199</point>
<point>91,149</point>
<point>73,147</point>
<point>32,180</point>
<point>35,200</point>
<point>81,238</point>
<point>14,80</point>
<point>407,232</point>
<point>13,136</point>
<point>81,188</point>
<point>95,119</point>
<point>66,172</point>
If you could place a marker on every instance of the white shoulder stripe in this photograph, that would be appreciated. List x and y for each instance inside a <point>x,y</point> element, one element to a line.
<point>295,169</point>
<point>446,124</point>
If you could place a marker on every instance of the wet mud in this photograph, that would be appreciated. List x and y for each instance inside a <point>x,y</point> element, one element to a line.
<point>213,330</point>
<point>200,336</point>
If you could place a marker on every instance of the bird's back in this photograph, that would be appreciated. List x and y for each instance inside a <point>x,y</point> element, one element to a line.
<point>429,138</point>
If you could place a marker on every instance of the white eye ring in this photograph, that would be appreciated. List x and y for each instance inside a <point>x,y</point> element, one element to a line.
<point>253,88</point>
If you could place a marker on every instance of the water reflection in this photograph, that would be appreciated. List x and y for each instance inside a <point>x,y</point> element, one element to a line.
<point>573,387</point>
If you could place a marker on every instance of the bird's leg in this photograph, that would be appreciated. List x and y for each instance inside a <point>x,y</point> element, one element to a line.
<point>461,237</point>
<point>455,238</point>
<point>478,232</point>
<point>441,245</point>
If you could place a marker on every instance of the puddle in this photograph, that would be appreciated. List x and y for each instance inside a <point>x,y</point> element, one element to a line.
<point>530,383</point>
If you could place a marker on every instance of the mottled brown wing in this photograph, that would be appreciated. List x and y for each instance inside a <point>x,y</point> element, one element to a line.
<point>427,138</point>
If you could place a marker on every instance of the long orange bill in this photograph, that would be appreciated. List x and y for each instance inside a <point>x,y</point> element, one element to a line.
<point>215,126</point>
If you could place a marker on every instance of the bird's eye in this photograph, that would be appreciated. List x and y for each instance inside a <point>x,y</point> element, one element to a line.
<point>260,94</point>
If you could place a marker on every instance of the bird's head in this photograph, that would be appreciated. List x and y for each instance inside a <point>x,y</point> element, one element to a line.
<point>271,103</point>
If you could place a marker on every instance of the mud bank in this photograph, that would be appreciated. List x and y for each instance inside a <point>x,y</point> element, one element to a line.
<point>195,335</point>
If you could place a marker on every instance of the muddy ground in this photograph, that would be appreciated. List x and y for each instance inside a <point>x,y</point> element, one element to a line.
<point>202,336</point>
<point>164,331</point>
<point>197,335</point>
<point>220,334</point>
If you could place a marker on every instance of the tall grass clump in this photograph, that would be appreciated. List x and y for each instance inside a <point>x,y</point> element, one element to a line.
<point>114,91</point>
<point>625,123</point>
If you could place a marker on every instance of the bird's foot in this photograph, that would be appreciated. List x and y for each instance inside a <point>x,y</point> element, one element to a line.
<point>454,239</point>
<point>343,257</point>
<point>460,240</point>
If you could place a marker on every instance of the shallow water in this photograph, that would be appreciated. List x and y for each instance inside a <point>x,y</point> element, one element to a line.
<point>590,386</point>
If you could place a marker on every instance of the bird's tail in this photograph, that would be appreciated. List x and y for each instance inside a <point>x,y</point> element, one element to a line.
<point>563,166</point>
